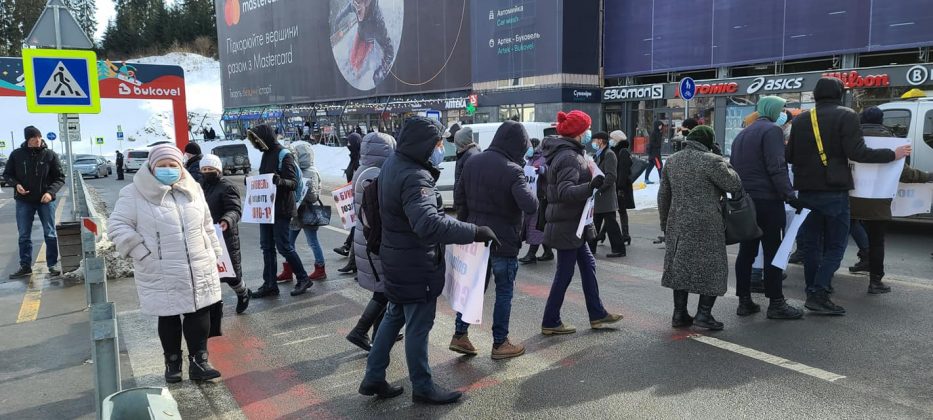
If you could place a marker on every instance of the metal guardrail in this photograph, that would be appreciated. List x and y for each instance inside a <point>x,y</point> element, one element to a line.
<point>105,351</point>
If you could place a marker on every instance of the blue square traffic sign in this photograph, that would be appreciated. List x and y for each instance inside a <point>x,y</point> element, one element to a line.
<point>65,81</point>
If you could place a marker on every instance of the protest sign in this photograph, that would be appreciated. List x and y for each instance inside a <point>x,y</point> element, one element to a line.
<point>259,201</point>
<point>465,280</point>
<point>224,264</point>
<point>594,168</point>
<point>343,199</point>
<point>878,180</point>
<point>587,217</point>
<point>912,199</point>
<point>790,236</point>
<point>531,175</point>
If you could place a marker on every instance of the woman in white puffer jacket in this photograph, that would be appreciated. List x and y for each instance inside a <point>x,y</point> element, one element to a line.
<point>164,224</point>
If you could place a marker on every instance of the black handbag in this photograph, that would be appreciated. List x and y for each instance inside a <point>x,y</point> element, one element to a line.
<point>740,218</point>
<point>639,166</point>
<point>316,214</point>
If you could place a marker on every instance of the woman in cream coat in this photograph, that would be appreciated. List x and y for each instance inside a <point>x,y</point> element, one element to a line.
<point>163,223</point>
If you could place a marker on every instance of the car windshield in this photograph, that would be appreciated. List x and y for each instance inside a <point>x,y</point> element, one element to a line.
<point>230,151</point>
<point>139,155</point>
<point>85,162</point>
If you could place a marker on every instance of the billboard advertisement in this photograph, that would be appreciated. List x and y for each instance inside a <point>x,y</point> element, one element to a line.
<point>288,51</point>
<point>655,36</point>
<point>515,38</point>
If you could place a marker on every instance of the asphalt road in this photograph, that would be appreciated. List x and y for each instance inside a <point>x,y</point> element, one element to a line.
<point>287,358</point>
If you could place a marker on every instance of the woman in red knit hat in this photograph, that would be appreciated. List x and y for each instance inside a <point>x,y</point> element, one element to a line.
<point>569,184</point>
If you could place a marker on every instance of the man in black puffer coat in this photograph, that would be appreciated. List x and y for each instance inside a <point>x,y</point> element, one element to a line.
<point>414,232</point>
<point>495,193</point>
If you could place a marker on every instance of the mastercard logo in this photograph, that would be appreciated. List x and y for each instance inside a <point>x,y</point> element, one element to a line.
<point>232,12</point>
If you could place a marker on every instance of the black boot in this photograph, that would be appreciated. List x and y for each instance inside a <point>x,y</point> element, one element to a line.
<point>343,250</point>
<point>530,257</point>
<point>876,286</point>
<point>242,301</point>
<point>747,306</point>
<point>704,318</point>
<point>371,313</point>
<point>548,254</point>
<point>173,367</point>
<point>862,266</point>
<point>681,317</point>
<point>779,309</point>
<point>350,268</point>
<point>199,369</point>
<point>380,389</point>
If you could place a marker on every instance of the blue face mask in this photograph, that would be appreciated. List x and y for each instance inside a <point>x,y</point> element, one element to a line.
<point>782,119</point>
<point>529,152</point>
<point>595,145</point>
<point>167,176</point>
<point>587,137</point>
<point>437,157</point>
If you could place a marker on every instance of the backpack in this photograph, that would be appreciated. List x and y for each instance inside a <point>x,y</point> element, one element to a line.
<point>370,217</point>
<point>300,189</point>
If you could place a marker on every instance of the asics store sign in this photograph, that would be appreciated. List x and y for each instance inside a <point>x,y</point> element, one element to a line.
<point>761,84</point>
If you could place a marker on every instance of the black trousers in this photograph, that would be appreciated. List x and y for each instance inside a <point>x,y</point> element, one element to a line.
<point>771,220</point>
<point>876,230</point>
<point>623,222</point>
<point>654,161</point>
<point>612,231</point>
<point>196,328</point>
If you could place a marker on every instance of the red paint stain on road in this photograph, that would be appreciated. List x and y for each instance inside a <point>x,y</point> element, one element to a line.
<point>485,382</point>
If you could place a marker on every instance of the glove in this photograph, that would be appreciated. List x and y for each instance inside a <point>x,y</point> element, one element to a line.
<point>485,234</point>
<point>796,204</point>
<point>275,179</point>
<point>597,182</point>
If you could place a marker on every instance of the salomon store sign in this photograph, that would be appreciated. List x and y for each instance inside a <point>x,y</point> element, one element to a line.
<point>633,93</point>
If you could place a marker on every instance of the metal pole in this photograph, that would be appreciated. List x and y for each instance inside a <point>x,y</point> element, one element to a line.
<point>71,172</point>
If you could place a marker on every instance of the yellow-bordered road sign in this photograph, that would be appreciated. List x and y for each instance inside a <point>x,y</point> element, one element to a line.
<point>61,81</point>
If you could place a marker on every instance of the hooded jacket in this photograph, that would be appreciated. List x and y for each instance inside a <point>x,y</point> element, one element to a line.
<point>288,177</point>
<point>414,229</point>
<point>758,158</point>
<point>226,204</point>
<point>842,140</point>
<point>567,189</point>
<point>376,149</point>
<point>168,232</point>
<point>38,170</point>
<point>353,143</point>
<point>466,149</point>
<point>494,191</point>
<point>624,188</point>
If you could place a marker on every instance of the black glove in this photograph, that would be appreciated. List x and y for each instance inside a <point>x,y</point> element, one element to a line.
<point>275,179</point>
<point>796,204</point>
<point>485,234</point>
<point>597,182</point>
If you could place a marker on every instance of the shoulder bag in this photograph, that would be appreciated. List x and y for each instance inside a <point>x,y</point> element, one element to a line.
<point>740,218</point>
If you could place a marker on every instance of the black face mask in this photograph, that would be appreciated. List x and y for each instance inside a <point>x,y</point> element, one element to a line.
<point>211,177</point>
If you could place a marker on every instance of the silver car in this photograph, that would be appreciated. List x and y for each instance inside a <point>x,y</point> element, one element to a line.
<point>91,167</point>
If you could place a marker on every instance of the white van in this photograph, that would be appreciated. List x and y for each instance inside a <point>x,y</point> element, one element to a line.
<point>136,159</point>
<point>482,135</point>
<point>913,119</point>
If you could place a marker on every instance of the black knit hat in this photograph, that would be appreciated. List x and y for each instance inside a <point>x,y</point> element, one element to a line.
<point>31,132</point>
<point>193,149</point>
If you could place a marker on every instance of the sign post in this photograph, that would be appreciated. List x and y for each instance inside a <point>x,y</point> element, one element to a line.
<point>687,90</point>
<point>119,137</point>
<point>100,143</point>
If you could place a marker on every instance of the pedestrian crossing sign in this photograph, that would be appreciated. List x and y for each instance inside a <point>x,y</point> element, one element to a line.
<point>61,81</point>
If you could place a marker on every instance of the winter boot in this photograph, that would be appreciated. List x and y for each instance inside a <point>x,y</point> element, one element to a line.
<point>343,250</point>
<point>747,306</point>
<point>318,273</point>
<point>242,301</point>
<point>548,254</point>
<point>199,369</point>
<point>173,367</point>
<point>704,318</point>
<point>876,286</point>
<point>681,317</point>
<point>350,268</point>
<point>286,274</point>
<point>530,257</point>
<point>780,309</point>
<point>371,313</point>
<point>862,266</point>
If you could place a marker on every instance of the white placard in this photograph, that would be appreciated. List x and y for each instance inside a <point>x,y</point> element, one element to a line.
<point>878,180</point>
<point>912,199</point>
<point>465,281</point>
<point>587,217</point>
<point>224,264</point>
<point>790,236</point>
<point>531,175</point>
<point>594,168</point>
<point>259,201</point>
<point>343,199</point>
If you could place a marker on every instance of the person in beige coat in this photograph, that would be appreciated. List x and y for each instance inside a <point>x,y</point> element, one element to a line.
<point>163,223</point>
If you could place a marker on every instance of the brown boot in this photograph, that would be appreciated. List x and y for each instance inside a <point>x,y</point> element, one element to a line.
<point>318,274</point>
<point>507,350</point>
<point>286,274</point>
<point>462,345</point>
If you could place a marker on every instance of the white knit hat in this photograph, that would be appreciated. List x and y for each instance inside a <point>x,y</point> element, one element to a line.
<point>212,161</point>
<point>618,135</point>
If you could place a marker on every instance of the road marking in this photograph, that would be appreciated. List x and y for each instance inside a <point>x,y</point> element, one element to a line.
<point>32,300</point>
<point>306,339</point>
<point>294,331</point>
<point>768,358</point>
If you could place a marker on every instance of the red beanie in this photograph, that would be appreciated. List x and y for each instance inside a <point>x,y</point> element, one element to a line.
<point>573,123</point>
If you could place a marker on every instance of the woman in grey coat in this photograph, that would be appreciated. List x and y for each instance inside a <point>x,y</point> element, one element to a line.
<point>375,149</point>
<point>693,183</point>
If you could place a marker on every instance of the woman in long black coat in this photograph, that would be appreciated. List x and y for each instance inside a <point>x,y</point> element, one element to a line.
<point>619,144</point>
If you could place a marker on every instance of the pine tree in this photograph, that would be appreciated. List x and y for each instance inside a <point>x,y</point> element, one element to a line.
<point>23,15</point>
<point>85,11</point>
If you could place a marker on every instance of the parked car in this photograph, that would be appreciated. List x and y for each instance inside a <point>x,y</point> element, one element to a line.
<point>235,158</point>
<point>913,120</point>
<point>136,159</point>
<point>91,166</point>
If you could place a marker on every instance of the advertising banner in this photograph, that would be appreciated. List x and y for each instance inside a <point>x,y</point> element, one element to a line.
<point>466,280</point>
<point>516,39</point>
<point>292,51</point>
<point>259,201</point>
<point>343,199</point>
<point>224,264</point>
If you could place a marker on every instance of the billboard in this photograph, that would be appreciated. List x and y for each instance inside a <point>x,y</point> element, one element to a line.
<point>285,51</point>
<point>655,36</point>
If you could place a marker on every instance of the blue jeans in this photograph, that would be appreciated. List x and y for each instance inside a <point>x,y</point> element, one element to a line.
<point>277,237</point>
<point>313,243</point>
<point>823,237</point>
<point>418,319</point>
<point>859,235</point>
<point>565,261</point>
<point>25,215</point>
<point>504,270</point>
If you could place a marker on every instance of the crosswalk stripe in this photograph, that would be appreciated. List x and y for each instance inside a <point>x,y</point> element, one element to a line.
<point>768,358</point>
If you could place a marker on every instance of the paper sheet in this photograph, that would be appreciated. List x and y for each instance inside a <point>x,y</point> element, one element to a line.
<point>790,236</point>
<point>878,180</point>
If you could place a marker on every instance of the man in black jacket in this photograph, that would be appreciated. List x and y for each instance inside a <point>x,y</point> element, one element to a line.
<point>193,162</point>
<point>655,141</point>
<point>119,166</point>
<point>414,232</point>
<point>494,192</point>
<point>276,236</point>
<point>820,156</point>
<point>36,174</point>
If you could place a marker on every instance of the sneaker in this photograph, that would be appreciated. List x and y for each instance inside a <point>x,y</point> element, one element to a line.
<point>264,292</point>
<point>242,302</point>
<point>54,272</point>
<point>819,303</point>
<point>860,267</point>
<point>342,250</point>
<point>507,350</point>
<point>24,271</point>
<point>462,345</point>
<point>608,319</point>
<point>877,287</point>
<point>558,330</point>
<point>781,310</point>
<point>747,307</point>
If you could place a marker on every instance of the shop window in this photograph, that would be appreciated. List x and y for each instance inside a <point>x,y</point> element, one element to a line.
<point>928,128</point>
<point>898,121</point>
<point>518,112</point>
